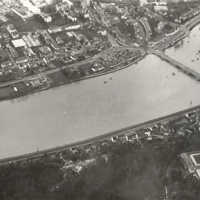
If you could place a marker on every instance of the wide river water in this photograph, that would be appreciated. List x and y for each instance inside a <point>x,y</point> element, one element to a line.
<point>70,113</point>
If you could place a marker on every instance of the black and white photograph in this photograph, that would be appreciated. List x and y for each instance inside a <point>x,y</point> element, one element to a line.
<point>99,99</point>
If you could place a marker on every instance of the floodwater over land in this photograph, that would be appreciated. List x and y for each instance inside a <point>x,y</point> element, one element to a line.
<point>70,113</point>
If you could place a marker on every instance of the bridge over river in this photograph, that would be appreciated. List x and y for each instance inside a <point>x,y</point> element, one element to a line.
<point>180,66</point>
<point>193,22</point>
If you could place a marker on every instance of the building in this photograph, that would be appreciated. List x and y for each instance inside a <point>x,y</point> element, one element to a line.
<point>12,31</point>
<point>161,8</point>
<point>188,15</point>
<point>78,166</point>
<point>21,60</point>
<point>191,163</point>
<point>47,18</point>
<point>41,3</point>
<point>31,40</point>
<point>18,43</point>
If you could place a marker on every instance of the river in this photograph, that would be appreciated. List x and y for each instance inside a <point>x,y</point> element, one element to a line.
<point>147,90</point>
<point>188,50</point>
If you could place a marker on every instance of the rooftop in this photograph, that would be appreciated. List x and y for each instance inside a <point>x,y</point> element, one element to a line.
<point>191,161</point>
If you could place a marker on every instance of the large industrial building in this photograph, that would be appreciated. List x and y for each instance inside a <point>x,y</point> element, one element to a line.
<point>191,162</point>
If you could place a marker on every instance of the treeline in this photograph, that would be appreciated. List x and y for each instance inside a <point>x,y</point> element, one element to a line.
<point>133,171</point>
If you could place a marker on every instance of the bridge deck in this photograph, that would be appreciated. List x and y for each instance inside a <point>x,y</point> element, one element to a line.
<point>190,72</point>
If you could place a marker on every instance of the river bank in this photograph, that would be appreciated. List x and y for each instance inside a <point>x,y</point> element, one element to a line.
<point>58,78</point>
<point>75,112</point>
<point>78,111</point>
<point>19,88</point>
<point>128,131</point>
